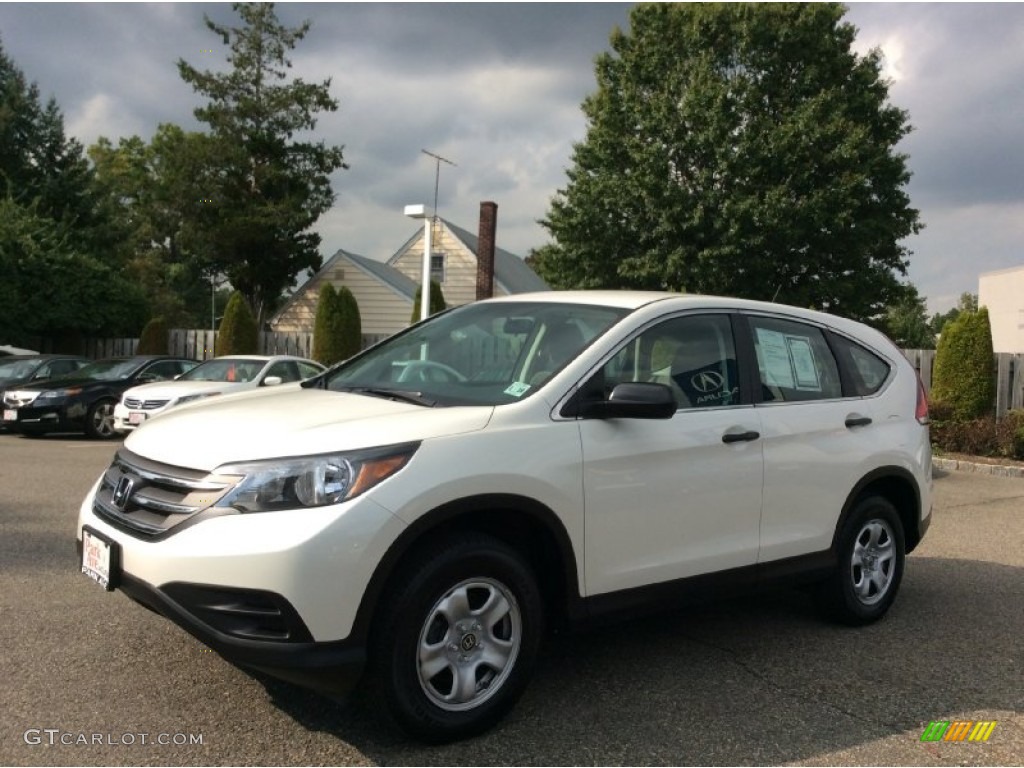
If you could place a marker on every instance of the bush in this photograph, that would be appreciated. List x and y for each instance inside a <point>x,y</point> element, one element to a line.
<point>963,380</point>
<point>979,437</point>
<point>351,324</point>
<point>436,301</point>
<point>238,334</point>
<point>326,344</point>
<point>153,340</point>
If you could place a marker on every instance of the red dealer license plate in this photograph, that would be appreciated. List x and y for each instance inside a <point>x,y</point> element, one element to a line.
<point>99,559</point>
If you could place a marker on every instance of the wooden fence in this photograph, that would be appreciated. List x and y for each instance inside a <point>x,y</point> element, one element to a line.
<point>1009,377</point>
<point>199,344</point>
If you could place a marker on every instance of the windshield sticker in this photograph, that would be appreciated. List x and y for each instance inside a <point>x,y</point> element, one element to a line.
<point>517,388</point>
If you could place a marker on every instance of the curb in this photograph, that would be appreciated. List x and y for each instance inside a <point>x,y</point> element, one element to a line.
<point>997,470</point>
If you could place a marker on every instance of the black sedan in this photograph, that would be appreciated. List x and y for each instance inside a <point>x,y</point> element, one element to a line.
<point>83,401</point>
<point>22,369</point>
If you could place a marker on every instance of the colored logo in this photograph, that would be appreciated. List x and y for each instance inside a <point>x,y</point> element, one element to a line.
<point>958,730</point>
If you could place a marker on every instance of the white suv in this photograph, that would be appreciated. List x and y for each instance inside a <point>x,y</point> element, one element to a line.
<point>426,509</point>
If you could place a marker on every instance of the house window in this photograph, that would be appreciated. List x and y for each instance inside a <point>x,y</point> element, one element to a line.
<point>437,267</point>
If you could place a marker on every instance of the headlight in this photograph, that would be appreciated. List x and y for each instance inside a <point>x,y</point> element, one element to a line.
<point>311,481</point>
<point>21,397</point>
<point>55,393</point>
<point>190,398</point>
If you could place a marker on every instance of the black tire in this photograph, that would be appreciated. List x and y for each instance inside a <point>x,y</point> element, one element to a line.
<point>99,421</point>
<point>434,619</point>
<point>872,554</point>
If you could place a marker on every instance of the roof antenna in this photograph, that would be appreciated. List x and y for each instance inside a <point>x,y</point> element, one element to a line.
<point>776,293</point>
<point>437,173</point>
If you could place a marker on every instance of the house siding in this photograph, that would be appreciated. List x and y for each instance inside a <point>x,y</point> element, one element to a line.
<point>459,285</point>
<point>381,309</point>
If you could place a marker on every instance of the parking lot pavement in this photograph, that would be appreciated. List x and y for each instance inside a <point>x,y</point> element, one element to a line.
<point>754,681</point>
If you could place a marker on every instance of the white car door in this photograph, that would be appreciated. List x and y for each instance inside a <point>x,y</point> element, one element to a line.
<point>671,498</point>
<point>815,442</point>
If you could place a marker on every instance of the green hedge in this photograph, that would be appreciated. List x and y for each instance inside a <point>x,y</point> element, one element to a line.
<point>238,334</point>
<point>963,380</point>
<point>436,301</point>
<point>153,340</point>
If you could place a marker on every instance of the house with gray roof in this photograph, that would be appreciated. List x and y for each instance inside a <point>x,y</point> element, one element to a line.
<point>386,291</point>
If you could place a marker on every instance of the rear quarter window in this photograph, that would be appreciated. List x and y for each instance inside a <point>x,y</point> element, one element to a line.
<point>867,370</point>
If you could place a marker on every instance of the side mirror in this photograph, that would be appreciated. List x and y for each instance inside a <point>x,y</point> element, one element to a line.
<point>633,400</point>
<point>271,381</point>
<point>145,378</point>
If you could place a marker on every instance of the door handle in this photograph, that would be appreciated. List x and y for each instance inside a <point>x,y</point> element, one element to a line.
<point>740,437</point>
<point>857,421</point>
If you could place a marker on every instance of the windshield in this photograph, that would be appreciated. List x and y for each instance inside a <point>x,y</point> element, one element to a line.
<point>17,369</point>
<point>225,370</point>
<point>479,354</point>
<point>104,370</point>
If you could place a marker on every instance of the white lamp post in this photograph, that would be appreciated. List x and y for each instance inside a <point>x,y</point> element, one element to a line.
<point>419,212</point>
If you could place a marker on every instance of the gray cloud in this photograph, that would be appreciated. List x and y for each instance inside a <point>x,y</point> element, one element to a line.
<point>497,88</point>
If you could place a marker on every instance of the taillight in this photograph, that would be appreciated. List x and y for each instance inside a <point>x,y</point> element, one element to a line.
<point>921,411</point>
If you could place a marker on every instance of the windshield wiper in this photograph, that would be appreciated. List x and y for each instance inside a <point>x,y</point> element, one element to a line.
<point>416,398</point>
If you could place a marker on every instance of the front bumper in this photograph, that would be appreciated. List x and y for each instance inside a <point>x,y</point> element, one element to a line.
<point>275,591</point>
<point>44,418</point>
<point>331,668</point>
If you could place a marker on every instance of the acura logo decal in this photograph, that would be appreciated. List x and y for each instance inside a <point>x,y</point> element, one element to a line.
<point>122,492</point>
<point>707,381</point>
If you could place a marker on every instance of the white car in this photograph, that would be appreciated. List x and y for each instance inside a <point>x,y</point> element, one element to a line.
<point>218,376</point>
<point>427,508</point>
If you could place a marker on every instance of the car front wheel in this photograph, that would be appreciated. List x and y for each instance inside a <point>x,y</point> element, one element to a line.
<point>459,638</point>
<point>99,422</point>
<point>871,554</point>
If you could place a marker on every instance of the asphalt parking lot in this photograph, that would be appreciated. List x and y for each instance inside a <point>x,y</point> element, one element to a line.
<point>756,681</point>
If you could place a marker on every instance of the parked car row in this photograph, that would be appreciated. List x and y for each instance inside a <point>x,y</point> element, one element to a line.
<point>44,394</point>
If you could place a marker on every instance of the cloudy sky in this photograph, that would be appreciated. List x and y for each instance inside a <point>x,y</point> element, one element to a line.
<point>497,89</point>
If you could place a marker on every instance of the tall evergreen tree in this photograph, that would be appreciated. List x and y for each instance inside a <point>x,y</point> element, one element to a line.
<point>59,263</point>
<point>741,149</point>
<point>264,188</point>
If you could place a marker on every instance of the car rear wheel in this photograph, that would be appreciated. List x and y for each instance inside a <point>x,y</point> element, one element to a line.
<point>871,551</point>
<point>458,638</point>
<point>99,421</point>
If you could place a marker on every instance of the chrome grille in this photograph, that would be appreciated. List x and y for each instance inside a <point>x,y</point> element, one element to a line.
<point>12,399</point>
<point>148,498</point>
<point>144,405</point>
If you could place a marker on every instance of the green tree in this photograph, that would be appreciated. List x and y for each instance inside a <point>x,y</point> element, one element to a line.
<point>326,329</point>
<point>265,190</point>
<point>153,340</point>
<point>963,380</point>
<point>61,274</point>
<point>437,303</point>
<point>968,303</point>
<point>238,334</point>
<point>351,323</point>
<point>906,322</point>
<point>740,149</point>
<point>154,193</point>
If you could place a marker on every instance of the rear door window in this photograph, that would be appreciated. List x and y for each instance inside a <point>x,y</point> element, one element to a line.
<point>794,361</point>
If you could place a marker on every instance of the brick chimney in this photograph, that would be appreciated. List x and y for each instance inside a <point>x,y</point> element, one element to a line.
<point>485,250</point>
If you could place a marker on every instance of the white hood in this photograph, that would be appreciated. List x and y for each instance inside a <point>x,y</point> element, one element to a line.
<point>271,423</point>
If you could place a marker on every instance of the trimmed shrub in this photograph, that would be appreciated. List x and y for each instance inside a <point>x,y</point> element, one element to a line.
<point>350,325</point>
<point>326,335</point>
<point>238,334</point>
<point>153,340</point>
<point>963,381</point>
<point>436,301</point>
